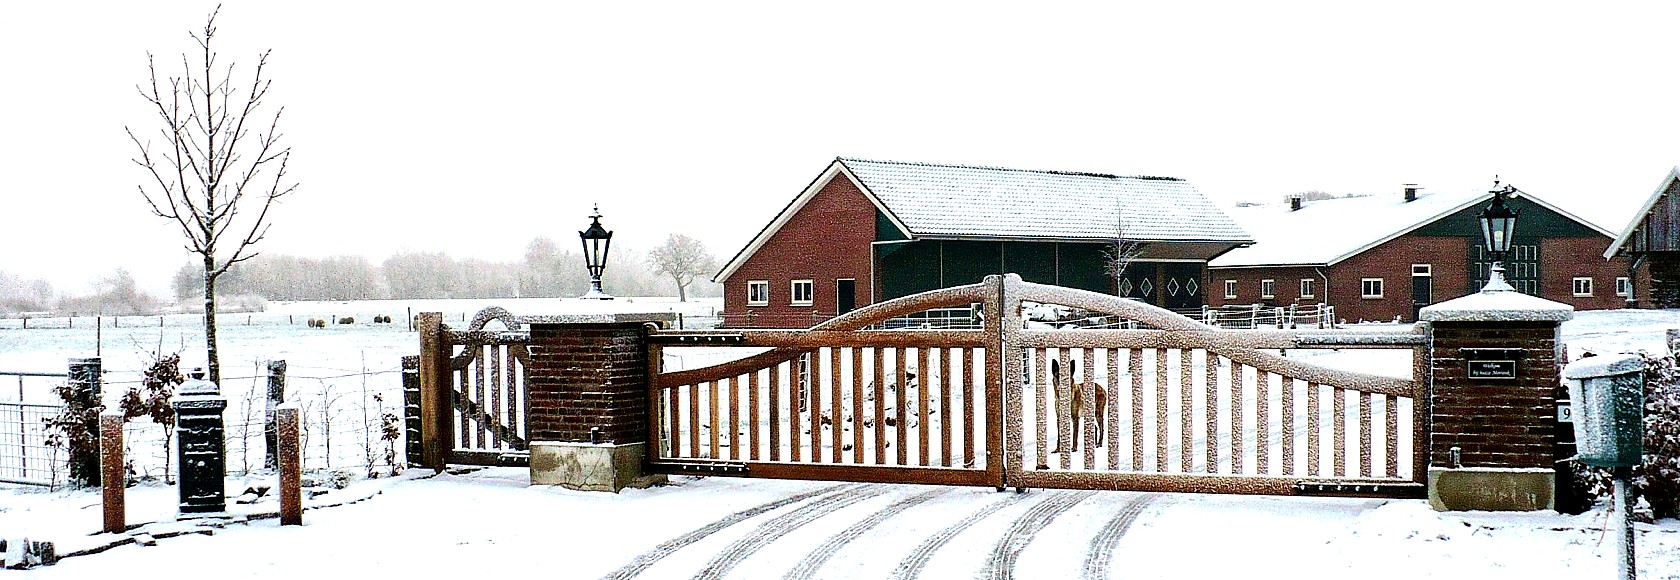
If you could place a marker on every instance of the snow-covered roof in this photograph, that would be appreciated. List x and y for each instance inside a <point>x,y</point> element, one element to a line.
<point>928,200</point>
<point>965,201</point>
<point>1325,232</point>
<point>1639,217</point>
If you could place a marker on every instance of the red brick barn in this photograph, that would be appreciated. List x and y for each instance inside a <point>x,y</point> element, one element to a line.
<point>1651,244</point>
<point>867,231</point>
<point>1381,258</point>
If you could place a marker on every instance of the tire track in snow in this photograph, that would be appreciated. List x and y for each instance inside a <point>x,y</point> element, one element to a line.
<point>652,556</point>
<point>814,560</point>
<point>911,566</point>
<point>770,531</point>
<point>1102,546</point>
<point>1025,528</point>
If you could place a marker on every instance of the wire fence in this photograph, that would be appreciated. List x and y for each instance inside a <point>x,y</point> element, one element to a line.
<point>351,419</point>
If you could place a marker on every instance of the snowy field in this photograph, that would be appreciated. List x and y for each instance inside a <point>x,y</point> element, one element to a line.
<point>492,522</point>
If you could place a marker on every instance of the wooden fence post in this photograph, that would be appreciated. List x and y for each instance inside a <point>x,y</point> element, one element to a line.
<point>290,462</point>
<point>113,472</point>
<point>434,392</point>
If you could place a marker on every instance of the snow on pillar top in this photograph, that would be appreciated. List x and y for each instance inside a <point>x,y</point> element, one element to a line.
<point>1498,303</point>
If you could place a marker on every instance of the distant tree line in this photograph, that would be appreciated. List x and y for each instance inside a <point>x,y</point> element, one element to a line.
<point>546,271</point>
<point>117,294</point>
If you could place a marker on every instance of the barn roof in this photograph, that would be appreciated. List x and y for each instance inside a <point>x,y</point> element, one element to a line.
<point>1325,232</point>
<point>1644,210</point>
<point>935,201</point>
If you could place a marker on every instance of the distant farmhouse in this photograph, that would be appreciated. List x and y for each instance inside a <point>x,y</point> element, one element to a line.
<point>1383,258</point>
<point>1652,242</point>
<point>868,231</point>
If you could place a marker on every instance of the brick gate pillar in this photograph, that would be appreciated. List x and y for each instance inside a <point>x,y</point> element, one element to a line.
<point>587,379</point>
<point>1495,359</point>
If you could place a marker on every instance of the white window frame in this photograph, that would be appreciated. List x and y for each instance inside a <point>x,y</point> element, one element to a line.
<point>1307,288</point>
<point>1268,288</point>
<point>810,292</point>
<point>765,285</point>
<point>1230,289</point>
<point>1575,285</point>
<point>1423,270</point>
<point>1624,286</point>
<point>1365,285</point>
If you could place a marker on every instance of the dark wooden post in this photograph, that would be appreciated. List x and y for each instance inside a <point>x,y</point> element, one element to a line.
<point>113,472</point>
<point>276,395</point>
<point>85,382</point>
<point>1493,400</point>
<point>434,392</point>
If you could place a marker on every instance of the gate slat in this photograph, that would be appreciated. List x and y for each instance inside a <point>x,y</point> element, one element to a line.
<point>775,411</point>
<point>923,383</point>
<point>1113,437</point>
<point>1063,383</point>
<point>1236,417</point>
<point>673,408</point>
<point>901,397</point>
<point>495,410</point>
<point>515,397</point>
<point>463,378</point>
<point>814,390</point>
<point>880,407</point>
<point>835,385</point>
<point>1339,416</point>
<point>734,384</point>
<point>1186,409</point>
<point>478,395</point>
<point>1391,412</point>
<point>857,405</point>
<point>971,406</point>
<point>1210,411</point>
<point>1313,422</point>
<point>1087,413</point>
<point>1135,365</point>
<point>798,369</point>
<point>1288,397</point>
<point>1040,426</point>
<point>1161,424</point>
<point>948,384</point>
<point>1365,434</point>
<point>1262,421</point>
<point>752,416</point>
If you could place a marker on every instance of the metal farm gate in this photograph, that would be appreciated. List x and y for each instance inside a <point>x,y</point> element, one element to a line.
<point>1179,406</point>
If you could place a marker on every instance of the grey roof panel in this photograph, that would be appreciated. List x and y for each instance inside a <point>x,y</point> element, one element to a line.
<point>956,200</point>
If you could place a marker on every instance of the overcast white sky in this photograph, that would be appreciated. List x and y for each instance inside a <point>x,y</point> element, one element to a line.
<point>472,128</point>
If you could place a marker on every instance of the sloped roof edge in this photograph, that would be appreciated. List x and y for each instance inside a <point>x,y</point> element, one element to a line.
<point>836,167</point>
<point>1639,216</point>
<point>1472,202</point>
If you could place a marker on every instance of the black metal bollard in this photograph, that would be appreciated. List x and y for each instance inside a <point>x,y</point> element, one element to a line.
<point>202,453</point>
<point>85,381</point>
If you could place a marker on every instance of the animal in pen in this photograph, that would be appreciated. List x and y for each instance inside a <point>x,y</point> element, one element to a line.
<point>1072,399</point>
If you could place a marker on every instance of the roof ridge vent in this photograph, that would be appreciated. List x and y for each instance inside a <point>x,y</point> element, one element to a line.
<point>1411,192</point>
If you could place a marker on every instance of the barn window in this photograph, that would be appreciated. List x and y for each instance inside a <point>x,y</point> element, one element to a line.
<point>1583,286</point>
<point>1230,289</point>
<point>1268,288</point>
<point>758,293</point>
<point>1306,288</point>
<point>1370,287</point>
<point>802,292</point>
<point>1624,287</point>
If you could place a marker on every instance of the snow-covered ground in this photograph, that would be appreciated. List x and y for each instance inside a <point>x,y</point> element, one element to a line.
<point>492,522</point>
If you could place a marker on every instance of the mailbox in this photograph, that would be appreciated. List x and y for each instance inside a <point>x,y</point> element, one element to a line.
<point>201,452</point>
<point>1607,394</point>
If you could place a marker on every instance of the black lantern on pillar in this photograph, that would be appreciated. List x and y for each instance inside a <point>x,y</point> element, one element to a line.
<point>1499,222</point>
<point>596,241</point>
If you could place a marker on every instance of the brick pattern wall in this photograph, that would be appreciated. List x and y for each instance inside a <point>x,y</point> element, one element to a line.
<point>587,375</point>
<point>1286,291</point>
<point>1494,422</point>
<point>1563,259</point>
<point>826,240</point>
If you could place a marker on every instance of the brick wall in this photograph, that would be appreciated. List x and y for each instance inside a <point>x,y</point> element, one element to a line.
<point>1494,422</point>
<point>587,375</point>
<point>826,240</point>
<point>1287,290</point>
<point>1563,259</point>
<point>1393,261</point>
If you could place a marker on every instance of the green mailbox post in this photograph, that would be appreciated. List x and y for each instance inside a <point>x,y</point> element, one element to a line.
<point>1607,394</point>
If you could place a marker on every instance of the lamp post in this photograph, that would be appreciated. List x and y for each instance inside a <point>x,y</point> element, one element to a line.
<point>1498,224</point>
<point>596,241</point>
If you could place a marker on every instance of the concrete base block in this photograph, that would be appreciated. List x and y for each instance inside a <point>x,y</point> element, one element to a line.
<point>1491,489</point>
<point>588,466</point>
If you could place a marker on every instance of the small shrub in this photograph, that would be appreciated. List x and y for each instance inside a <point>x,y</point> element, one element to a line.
<point>1657,479</point>
<point>347,320</point>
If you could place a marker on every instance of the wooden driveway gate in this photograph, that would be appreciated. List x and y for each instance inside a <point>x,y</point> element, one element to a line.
<point>1181,406</point>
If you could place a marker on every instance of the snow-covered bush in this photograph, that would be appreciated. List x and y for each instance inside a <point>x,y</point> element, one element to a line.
<point>1657,479</point>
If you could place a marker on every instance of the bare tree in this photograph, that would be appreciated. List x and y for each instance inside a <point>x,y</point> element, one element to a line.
<point>682,258</point>
<point>213,175</point>
<point>1119,256</point>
